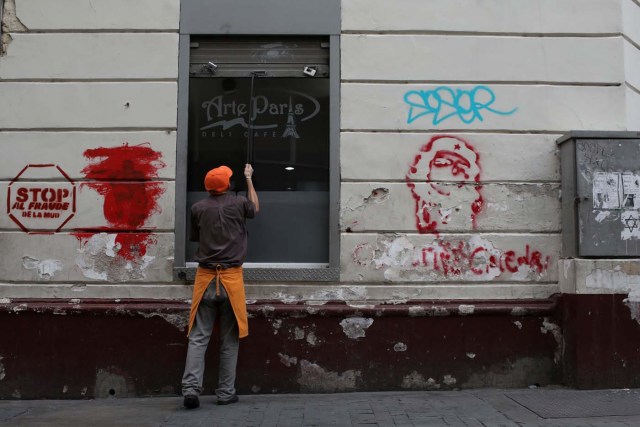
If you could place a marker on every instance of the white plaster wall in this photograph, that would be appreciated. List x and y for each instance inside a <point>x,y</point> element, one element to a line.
<point>632,64</point>
<point>66,149</point>
<point>503,78</point>
<point>631,20</point>
<point>541,108</point>
<point>355,293</point>
<point>631,31</point>
<point>472,58</point>
<point>560,65</point>
<point>481,16</point>
<point>84,258</point>
<point>115,55</point>
<point>100,15</point>
<point>503,157</point>
<point>610,276</point>
<point>352,293</point>
<point>633,109</point>
<point>87,105</point>
<point>381,206</point>
<point>109,291</point>
<point>84,75</point>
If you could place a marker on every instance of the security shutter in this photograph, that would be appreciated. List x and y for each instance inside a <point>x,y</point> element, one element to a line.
<point>276,56</point>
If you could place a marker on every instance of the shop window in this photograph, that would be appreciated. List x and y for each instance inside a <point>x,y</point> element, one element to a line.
<point>266,101</point>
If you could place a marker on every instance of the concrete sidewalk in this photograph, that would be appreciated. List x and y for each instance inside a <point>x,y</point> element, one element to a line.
<point>535,407</point>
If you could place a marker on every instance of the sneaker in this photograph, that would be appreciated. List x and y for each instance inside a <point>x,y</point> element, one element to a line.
<point>233,399</point>
<point>191,401</point>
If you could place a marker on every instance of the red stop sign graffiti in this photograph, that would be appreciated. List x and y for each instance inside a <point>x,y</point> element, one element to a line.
<point>41,206</point>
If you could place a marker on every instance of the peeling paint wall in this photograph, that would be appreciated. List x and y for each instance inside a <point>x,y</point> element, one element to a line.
<point>337,349</point>
<point>603,276</point>
<point>356,327</point>
<point>631,31</point>
<point>429,258</point>
<point>10,24</point>
<point>315,379</point>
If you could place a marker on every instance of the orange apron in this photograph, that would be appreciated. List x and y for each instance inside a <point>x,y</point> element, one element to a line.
<point>233,283</point>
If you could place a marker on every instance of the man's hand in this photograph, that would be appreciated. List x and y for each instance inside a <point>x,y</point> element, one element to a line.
<point>251,192</point>
<point>248,171</point>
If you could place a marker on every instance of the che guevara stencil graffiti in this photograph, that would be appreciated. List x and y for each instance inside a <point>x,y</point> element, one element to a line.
<point>444,179</point>
<point>442,161</point>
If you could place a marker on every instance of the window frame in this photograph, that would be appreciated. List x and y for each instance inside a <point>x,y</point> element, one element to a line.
<point>193,24</point>
<point>1,18</point>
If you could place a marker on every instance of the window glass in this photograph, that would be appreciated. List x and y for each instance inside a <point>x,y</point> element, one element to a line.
<point>289,152</point>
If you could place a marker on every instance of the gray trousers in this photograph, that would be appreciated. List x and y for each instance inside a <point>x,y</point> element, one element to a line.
<point>209,307</point>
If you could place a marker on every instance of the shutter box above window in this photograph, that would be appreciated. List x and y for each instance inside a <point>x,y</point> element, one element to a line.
<point>275,56</point>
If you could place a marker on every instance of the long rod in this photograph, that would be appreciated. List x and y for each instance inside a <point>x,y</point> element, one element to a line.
<point>250,124</point>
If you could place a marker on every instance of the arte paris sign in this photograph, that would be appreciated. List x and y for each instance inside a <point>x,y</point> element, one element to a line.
<point>284,108</point>
<point>41,206</point>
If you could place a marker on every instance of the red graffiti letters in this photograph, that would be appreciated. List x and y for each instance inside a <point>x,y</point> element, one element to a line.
<point>475,259</point>
<point>455,260</point>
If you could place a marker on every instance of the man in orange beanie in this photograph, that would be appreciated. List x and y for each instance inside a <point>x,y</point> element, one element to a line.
<point>218,225</point>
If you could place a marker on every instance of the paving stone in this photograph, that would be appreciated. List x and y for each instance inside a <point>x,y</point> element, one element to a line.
<point>475,408</point>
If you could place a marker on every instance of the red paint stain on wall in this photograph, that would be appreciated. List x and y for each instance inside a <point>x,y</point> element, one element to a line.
<point>114,257</point>
<point>129,246</point>
<point>127,205</point>
<point>133,246</point>
<point>123,176</point>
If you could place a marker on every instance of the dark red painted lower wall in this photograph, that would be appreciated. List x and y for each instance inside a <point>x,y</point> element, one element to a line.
<point>72,349</point>
<point>602,342</point>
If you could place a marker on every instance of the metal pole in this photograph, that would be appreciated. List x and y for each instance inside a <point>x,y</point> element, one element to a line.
<point>254,74</point>
<point>250,122</point>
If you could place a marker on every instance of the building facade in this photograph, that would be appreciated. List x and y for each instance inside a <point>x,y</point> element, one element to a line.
<point>411,233</point>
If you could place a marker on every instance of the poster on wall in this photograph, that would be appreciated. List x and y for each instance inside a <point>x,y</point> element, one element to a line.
<point>630,191</point>
<point>605,190</point>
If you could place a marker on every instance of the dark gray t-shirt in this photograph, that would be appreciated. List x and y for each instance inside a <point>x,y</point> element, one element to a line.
<point>218,224</point>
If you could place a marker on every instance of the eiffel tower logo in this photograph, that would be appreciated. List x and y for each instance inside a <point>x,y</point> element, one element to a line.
<point>290,129</point>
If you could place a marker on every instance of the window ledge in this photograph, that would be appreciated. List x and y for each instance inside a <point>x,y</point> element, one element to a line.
<point>254,272</point>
